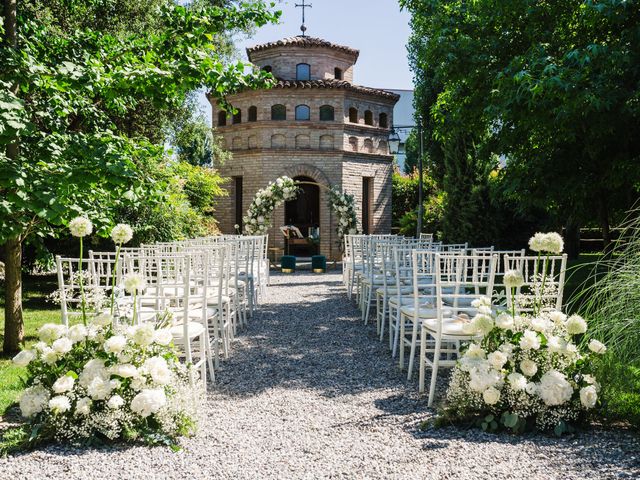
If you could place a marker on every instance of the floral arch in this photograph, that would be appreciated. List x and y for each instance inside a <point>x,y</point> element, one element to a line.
<point>259,215</point>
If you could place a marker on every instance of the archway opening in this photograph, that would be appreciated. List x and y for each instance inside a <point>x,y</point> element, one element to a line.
<point>304,213</point>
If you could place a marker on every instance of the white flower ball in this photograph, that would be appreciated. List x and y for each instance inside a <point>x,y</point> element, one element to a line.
<point>158,369</point>
<point>576,325</point>
<point>134,282</point>
<point>537,243</point>
<point>553,243</point>
<point>539,324</point>
<point>497,359</point>
<point>556,344</point>
<point>77,333</point>
<point>260,219</point>
<point>531,388</point>
<point>51,331</point>
<point>33,400</point>
<point>557,317</point>
<point>481,379</point>
<point>504,321</point>
<point>62,345</point>
<point>115,402</point>
<point>115,344</point>
<point>475,351</point>
<point>63,384</point>
<point>99,389</point>
<point>588,396</point>
<point>49,356</point>
<point>125,371</point>
<point>24,358</point>
<point>121,233</point>
<point>80,227</point>
<point>163,336</point>
<point>528,367</point>
<point>491,396</point>
<point>83,406</point>
<point>513,279</point>
<point>143,335</point>
<point>597,347</point>
<point>483,323</point>
<point>517,381</point>
<point>554,389</point>
<point>530,340</point>
<point>148,402</point>
<point>59,404</point>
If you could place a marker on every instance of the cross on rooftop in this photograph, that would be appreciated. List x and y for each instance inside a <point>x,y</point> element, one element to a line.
<point>303,5</point>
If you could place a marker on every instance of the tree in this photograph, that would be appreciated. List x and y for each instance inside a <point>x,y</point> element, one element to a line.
<point>76,153</point>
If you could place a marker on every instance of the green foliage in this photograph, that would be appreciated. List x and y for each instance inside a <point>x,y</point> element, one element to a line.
<point>405,199</point>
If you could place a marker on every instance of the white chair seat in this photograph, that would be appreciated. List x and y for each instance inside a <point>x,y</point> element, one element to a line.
<point>394,290</point>
<point>450,326</point>
<point>194,329</point>
<point>408,300</point>
<point>424,312</point>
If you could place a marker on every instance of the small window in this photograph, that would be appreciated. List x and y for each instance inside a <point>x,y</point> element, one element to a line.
<point>253,142</point>
<point>278,141</point>
<point>267,68</point>
<point>278,112</point>
<point>383,121</point>
<point>327,113</point>
<point>303,72</point>
<point>222,119</point>
<point>337,73</point>
<point>237,117</point>
<point>253,114</point>
<point>303,141</point>
<point>353,115</point>
<point>326,142</point>
<point>368,117</point>
<point>383,147</point>
<point>303,112</point>
<point>353,144</point>
<point>368,145</point>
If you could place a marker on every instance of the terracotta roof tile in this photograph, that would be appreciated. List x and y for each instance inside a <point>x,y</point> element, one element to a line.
<point>338,84</point>
<point>305,42</point>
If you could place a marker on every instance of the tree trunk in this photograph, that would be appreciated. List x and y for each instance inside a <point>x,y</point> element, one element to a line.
<point>572,239</point>
<point>13,323</point>
<point>603,214</point>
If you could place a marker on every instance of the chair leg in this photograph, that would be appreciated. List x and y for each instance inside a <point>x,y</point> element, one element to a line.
<point>434,372</point>
<point>423,359</point>
<point>400,343</point>
<point>414,341</point>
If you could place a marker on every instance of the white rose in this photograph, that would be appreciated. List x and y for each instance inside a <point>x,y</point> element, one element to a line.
<point>588,396</point>
<point>115,344</point>
<point>99,389</point>
<point>62,345</point>
<point>482,323</point>
<point>504,321</point>
<point>115,402</point>
<point>51,331</point>
<point>517,381</point>
<point>83,406</point>
<point>163,336</point>
<point>158,369</point>
<point>513,279</point>
<point>576,325</point>
<point>507,348</point>
<point>49,356</point>
<point>481,379</point>
<point>59,404</point>
<point>556,344</point>
<point>531,388</point>
<point>530,340</point>
<point>63,384</point>
<point>497,359</point>
<point>528,367</point>
<point>597,347</point>
<point>80,227</point>
<point>491,396</point>
<point>121,233</point>
<point>124,371</point>
<point>138,383</point>
<point>77,333</point>
<point>475,351</point>
<point>143,335</point>
<point>554,389</point>
<point>24,358</point>
<point>33,400</point>
<point>557,317</point>
<point>539,324</point>
<point>148,402</point>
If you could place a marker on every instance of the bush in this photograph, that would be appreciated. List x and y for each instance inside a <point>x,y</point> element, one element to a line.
<point>405,199</point>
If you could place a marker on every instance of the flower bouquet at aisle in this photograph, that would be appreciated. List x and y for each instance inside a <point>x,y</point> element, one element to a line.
<point>104,379</point>
<point>526,371</point>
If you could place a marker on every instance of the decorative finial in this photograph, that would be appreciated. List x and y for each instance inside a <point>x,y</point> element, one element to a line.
<point>303,5</point>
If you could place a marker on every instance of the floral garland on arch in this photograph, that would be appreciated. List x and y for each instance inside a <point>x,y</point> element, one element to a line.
<point>528,371</point>
<point>258,218</point>
<point>344,206</point>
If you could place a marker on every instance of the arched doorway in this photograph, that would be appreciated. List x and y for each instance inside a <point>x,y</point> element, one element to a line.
<point>304,213</point>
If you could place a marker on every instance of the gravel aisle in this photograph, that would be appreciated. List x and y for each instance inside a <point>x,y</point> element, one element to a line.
<point>309,393</point>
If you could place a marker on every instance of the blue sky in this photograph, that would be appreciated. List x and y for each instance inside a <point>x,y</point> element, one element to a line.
<point>375,27</point>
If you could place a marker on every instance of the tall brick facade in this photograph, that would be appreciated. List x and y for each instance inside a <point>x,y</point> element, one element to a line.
<point>343,143</point>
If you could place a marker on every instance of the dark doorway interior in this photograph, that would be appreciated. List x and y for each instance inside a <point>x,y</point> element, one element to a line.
<point>304,213</point>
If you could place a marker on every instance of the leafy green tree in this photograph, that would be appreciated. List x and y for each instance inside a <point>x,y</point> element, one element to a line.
<point>65,96</point>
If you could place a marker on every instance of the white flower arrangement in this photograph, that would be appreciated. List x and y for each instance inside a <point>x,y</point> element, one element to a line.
<point>343,205</point>
<point>100,398</point>
<point>258,218</point>
<point>525,371</point>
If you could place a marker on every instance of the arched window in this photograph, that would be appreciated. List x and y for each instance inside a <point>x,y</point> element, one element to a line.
<point>278,112</point>
<point>302,141</point>
<point>237,117</point>
<point>303,112</point>
<point>368,145</point>
<point>327,113</point>
<point>303,72</point>
<point>278,141</point>
<point>222,118</point>
<point>353,144</point>
<point>368,117</point>
<point>383,147</point>
<point>353,115</point>
<point>383,120</point>
<point>326,142</point>
<point>253,114</point>
<point>253,141</point>
<point>337,73</point>
<point>267,68</point>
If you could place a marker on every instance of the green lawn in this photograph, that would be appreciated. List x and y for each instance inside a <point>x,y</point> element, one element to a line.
<point>37,311</point>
